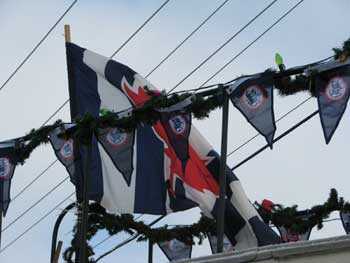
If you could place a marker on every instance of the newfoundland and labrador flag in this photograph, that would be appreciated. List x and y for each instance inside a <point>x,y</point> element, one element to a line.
<point>152,179</point>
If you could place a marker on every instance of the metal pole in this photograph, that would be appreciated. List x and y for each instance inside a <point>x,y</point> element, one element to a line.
<point>84,224</point>
<point>222,175</point>
<point>150,251</point>
<point>55,230</point>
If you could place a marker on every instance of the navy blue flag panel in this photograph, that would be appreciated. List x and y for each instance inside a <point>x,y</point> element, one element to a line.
<point>287,235</point>
<point>176,250</point>
<point>120,147</point>
<point>213,241</point>
<point>333,89</point>
<point>65,150</point>
<point>8,163</point>
<point>345,219</point>
<point>253,97</point>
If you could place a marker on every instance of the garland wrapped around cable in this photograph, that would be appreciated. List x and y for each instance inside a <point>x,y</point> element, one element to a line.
<point>276,214</point>
<point>200,107</point>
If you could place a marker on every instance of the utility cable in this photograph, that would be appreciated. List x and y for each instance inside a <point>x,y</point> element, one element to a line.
<point>251,43</point>
<point>223,45</point>
<point>187,38</point>
<point>36,223</point>
<point>35,204</point>
<point>37,45</point>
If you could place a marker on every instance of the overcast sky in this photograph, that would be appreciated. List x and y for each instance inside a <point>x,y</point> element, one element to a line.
<point>300,169</point>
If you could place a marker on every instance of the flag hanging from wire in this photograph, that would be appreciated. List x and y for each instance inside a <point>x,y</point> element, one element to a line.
<point>159,183</point>
<point>253,97</point>
<point>8,162</point>
<point>66,150</point>
<point>213,241</point>
<point>176,250</point>
<point>345,219</point>
<point>288,235</point>
<point>177,125</point>
<point>332,83</point>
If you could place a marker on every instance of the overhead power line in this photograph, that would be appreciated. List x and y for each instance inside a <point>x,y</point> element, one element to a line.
<point>253,42</point>
<point>35,224</point>
<point>37,45</point>
<point>35,204</point>
<point>223,45</point>
<point>188,37</point>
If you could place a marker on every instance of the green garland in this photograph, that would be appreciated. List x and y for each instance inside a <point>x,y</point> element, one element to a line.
<point>290,217</point>
<point>148,113</point>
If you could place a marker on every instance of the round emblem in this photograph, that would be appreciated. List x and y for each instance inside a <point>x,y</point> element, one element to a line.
<point>115,137</point>
<point>227,245</point>
<point>175,245</point>
<point>336,88</point>
<point>67,149</point>
<point>5,167</point>
<point>178,124</point>
<point>253,97</point>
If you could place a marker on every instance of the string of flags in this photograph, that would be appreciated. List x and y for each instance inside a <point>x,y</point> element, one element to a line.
<point>164,123</point>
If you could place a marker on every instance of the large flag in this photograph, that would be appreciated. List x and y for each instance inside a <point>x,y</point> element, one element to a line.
<point>157,181</point>
<point>332,82</point>
<point>8,162</point>
<point>253,97</point>
<point>176,250</point>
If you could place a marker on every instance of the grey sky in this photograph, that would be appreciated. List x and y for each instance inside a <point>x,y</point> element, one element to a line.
<point>299,170</point>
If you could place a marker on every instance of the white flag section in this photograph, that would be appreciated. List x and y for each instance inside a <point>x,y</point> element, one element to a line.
<point>157,181</point>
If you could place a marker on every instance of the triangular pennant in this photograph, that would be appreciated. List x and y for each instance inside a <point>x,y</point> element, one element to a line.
<point>8,162</point>
<point>253,97</point>
<point>287,235</point>
<point>213,241</point>
<point>119,146</point>
<point>177,124</point>
<point>65,150</point>
<point>345,219</point>
<point>176,250</point>
<point>332,84</point>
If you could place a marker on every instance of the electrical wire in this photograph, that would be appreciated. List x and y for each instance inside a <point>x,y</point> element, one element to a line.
<point>36,223</point>
<point>37,45</point>
<point>253,42</point>
<point>35,204</point>
<point>187,38</point>
<point>223,45</point>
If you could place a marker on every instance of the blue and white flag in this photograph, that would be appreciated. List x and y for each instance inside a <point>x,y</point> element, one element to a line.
<point>176,250</point>
<point>149,177</point>
<point>332,82</point>
<point>253,97</point>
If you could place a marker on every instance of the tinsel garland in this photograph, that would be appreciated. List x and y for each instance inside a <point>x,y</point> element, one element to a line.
<point>278,215</point>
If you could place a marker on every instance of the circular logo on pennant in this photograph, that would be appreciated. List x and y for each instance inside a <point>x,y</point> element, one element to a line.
<point>336,88</point>
<point>5,168</point>
<point>227,245</point>
<point>115,137</point>
<point>178,124</point>
<point>175,245</point>
<point>67,149</point>
<point>253,97</point>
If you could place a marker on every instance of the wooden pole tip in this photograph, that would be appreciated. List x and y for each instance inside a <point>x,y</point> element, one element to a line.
<point>67,33</point>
